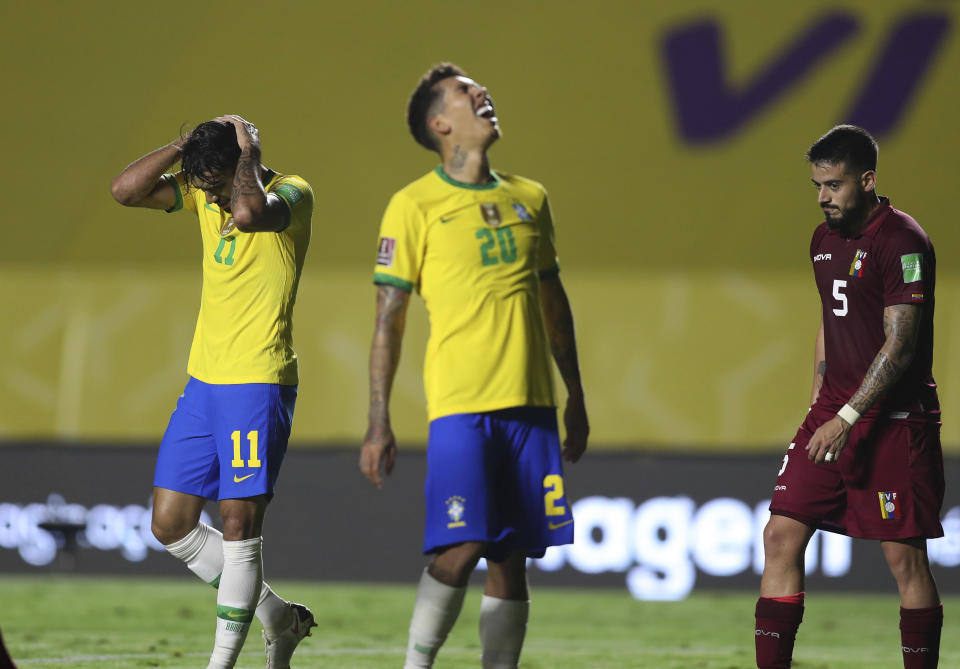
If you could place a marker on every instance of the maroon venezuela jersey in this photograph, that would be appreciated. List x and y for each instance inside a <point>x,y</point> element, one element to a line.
<point>891,261</point>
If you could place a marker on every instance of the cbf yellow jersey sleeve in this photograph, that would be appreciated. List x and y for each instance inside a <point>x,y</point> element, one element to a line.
<point>476,255</point>
<point>244,330</point>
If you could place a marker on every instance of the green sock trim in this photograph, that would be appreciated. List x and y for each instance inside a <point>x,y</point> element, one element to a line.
<point>426,650</point>
<point>234,615</point>
<point>216,582</point>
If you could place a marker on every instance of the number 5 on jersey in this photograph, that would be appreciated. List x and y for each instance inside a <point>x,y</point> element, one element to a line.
<point>838,294</point>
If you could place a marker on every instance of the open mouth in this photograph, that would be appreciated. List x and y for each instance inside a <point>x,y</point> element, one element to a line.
<point>487,111</point>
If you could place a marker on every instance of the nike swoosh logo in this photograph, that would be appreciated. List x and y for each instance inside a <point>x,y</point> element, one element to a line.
<point>238,479</point>
<point>231,614</point>
<point>447,219</point>
<point>557,526</point>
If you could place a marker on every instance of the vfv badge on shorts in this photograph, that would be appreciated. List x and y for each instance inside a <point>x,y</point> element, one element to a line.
<point>889,504</point>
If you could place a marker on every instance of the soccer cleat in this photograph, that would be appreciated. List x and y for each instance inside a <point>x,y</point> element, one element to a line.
<point>280,648</point>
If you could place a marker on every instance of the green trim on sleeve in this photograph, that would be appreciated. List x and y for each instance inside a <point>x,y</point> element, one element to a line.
<point>460,184</point>
<point>549,273</point>
<point>390,280</point>
<point>290,193</point>
<point>178,205</point>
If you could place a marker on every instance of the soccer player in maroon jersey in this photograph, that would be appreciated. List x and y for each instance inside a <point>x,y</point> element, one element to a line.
<point>867,460</point>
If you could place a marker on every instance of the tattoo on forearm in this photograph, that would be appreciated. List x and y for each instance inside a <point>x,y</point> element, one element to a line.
<point>385,350</point>
<point>901,325</point>
<point>558,319</point>
<point>246,181</point>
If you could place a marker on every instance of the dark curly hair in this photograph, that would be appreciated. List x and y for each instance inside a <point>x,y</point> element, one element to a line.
<point>847,144</point>
<point>427,101</point>
<point>211,150</point>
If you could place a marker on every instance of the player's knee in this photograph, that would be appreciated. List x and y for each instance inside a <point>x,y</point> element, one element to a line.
<point>167,530</point>
<point>908,566</point>
<point>508,579</point>
<point>782,542</point>
<point>454,565</point>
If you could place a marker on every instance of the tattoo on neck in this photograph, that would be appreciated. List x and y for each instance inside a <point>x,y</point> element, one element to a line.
<point>458,159</point>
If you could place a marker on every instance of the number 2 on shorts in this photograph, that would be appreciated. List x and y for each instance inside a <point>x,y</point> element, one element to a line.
<point>254,461</point>
<point>553,483</point>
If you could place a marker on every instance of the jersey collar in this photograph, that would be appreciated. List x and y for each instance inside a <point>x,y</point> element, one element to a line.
<point>460,184</point>
<point>876,218</point>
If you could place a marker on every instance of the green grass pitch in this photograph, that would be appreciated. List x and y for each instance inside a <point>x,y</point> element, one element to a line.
<point>86,623</point>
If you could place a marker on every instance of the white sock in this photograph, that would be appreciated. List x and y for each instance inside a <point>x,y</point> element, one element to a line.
<point>202,550</point>
<point>434,614</point>
<point>273,611</point>
<point>237,598</point>
<point>503,624</point>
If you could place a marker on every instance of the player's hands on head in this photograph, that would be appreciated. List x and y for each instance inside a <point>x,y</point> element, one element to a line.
<point>577,427</point>
<point>181,140</point>
<point>377,454</point>
<point>828,441</point>
<point>247,133</point>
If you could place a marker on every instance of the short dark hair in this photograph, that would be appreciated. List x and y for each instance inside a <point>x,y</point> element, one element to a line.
<point>211,150</point>
<point>848,144</point>
<point>424,103</point>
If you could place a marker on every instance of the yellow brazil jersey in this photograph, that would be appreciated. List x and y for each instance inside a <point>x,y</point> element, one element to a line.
<point>244,330</point>
<point>476,255</point>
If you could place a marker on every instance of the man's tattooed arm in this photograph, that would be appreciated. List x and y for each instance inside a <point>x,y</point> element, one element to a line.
<point>558,320</point>
<point>385,352</point>
<point>819,366</point>
<point>253,209</point>
<point>901,325</point>
<point>379,445</point>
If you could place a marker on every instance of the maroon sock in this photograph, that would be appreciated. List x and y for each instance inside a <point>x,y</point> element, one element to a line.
<point>777,623</point>
<point>5,661</point>
<point>920,636</point>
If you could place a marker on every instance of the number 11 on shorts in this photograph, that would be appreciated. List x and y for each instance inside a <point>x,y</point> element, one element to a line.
<point>254,461</point>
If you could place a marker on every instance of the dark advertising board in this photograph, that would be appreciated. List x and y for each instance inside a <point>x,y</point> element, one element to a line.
<point>656,525</point>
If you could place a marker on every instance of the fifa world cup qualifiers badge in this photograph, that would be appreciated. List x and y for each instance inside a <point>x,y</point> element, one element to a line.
<point>455,508</point>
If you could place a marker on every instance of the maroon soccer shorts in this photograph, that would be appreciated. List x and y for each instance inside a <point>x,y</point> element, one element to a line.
<point>888,483</point>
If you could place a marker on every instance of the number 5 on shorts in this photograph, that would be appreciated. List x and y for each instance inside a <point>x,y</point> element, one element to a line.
<point>553,483</point>
<point>254,461</point>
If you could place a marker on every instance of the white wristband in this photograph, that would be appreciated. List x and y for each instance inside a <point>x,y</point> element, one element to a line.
<point>849,414</point>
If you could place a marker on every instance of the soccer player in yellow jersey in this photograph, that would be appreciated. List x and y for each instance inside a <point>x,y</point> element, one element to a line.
<point>478,247</point>
<point>228,435</point>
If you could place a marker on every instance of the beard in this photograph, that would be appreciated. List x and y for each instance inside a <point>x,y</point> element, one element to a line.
<point>842,219</point>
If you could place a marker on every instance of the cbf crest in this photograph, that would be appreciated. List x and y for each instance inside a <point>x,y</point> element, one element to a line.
<point>522,212</point>
<point>491,213</point>
<point>455,508</point>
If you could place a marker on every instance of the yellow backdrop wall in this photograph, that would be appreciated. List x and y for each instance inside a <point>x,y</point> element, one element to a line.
<point>683,222</point>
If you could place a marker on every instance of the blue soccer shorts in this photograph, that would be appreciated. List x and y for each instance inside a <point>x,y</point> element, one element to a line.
<point>226,441</point>
<point>496,477</point>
